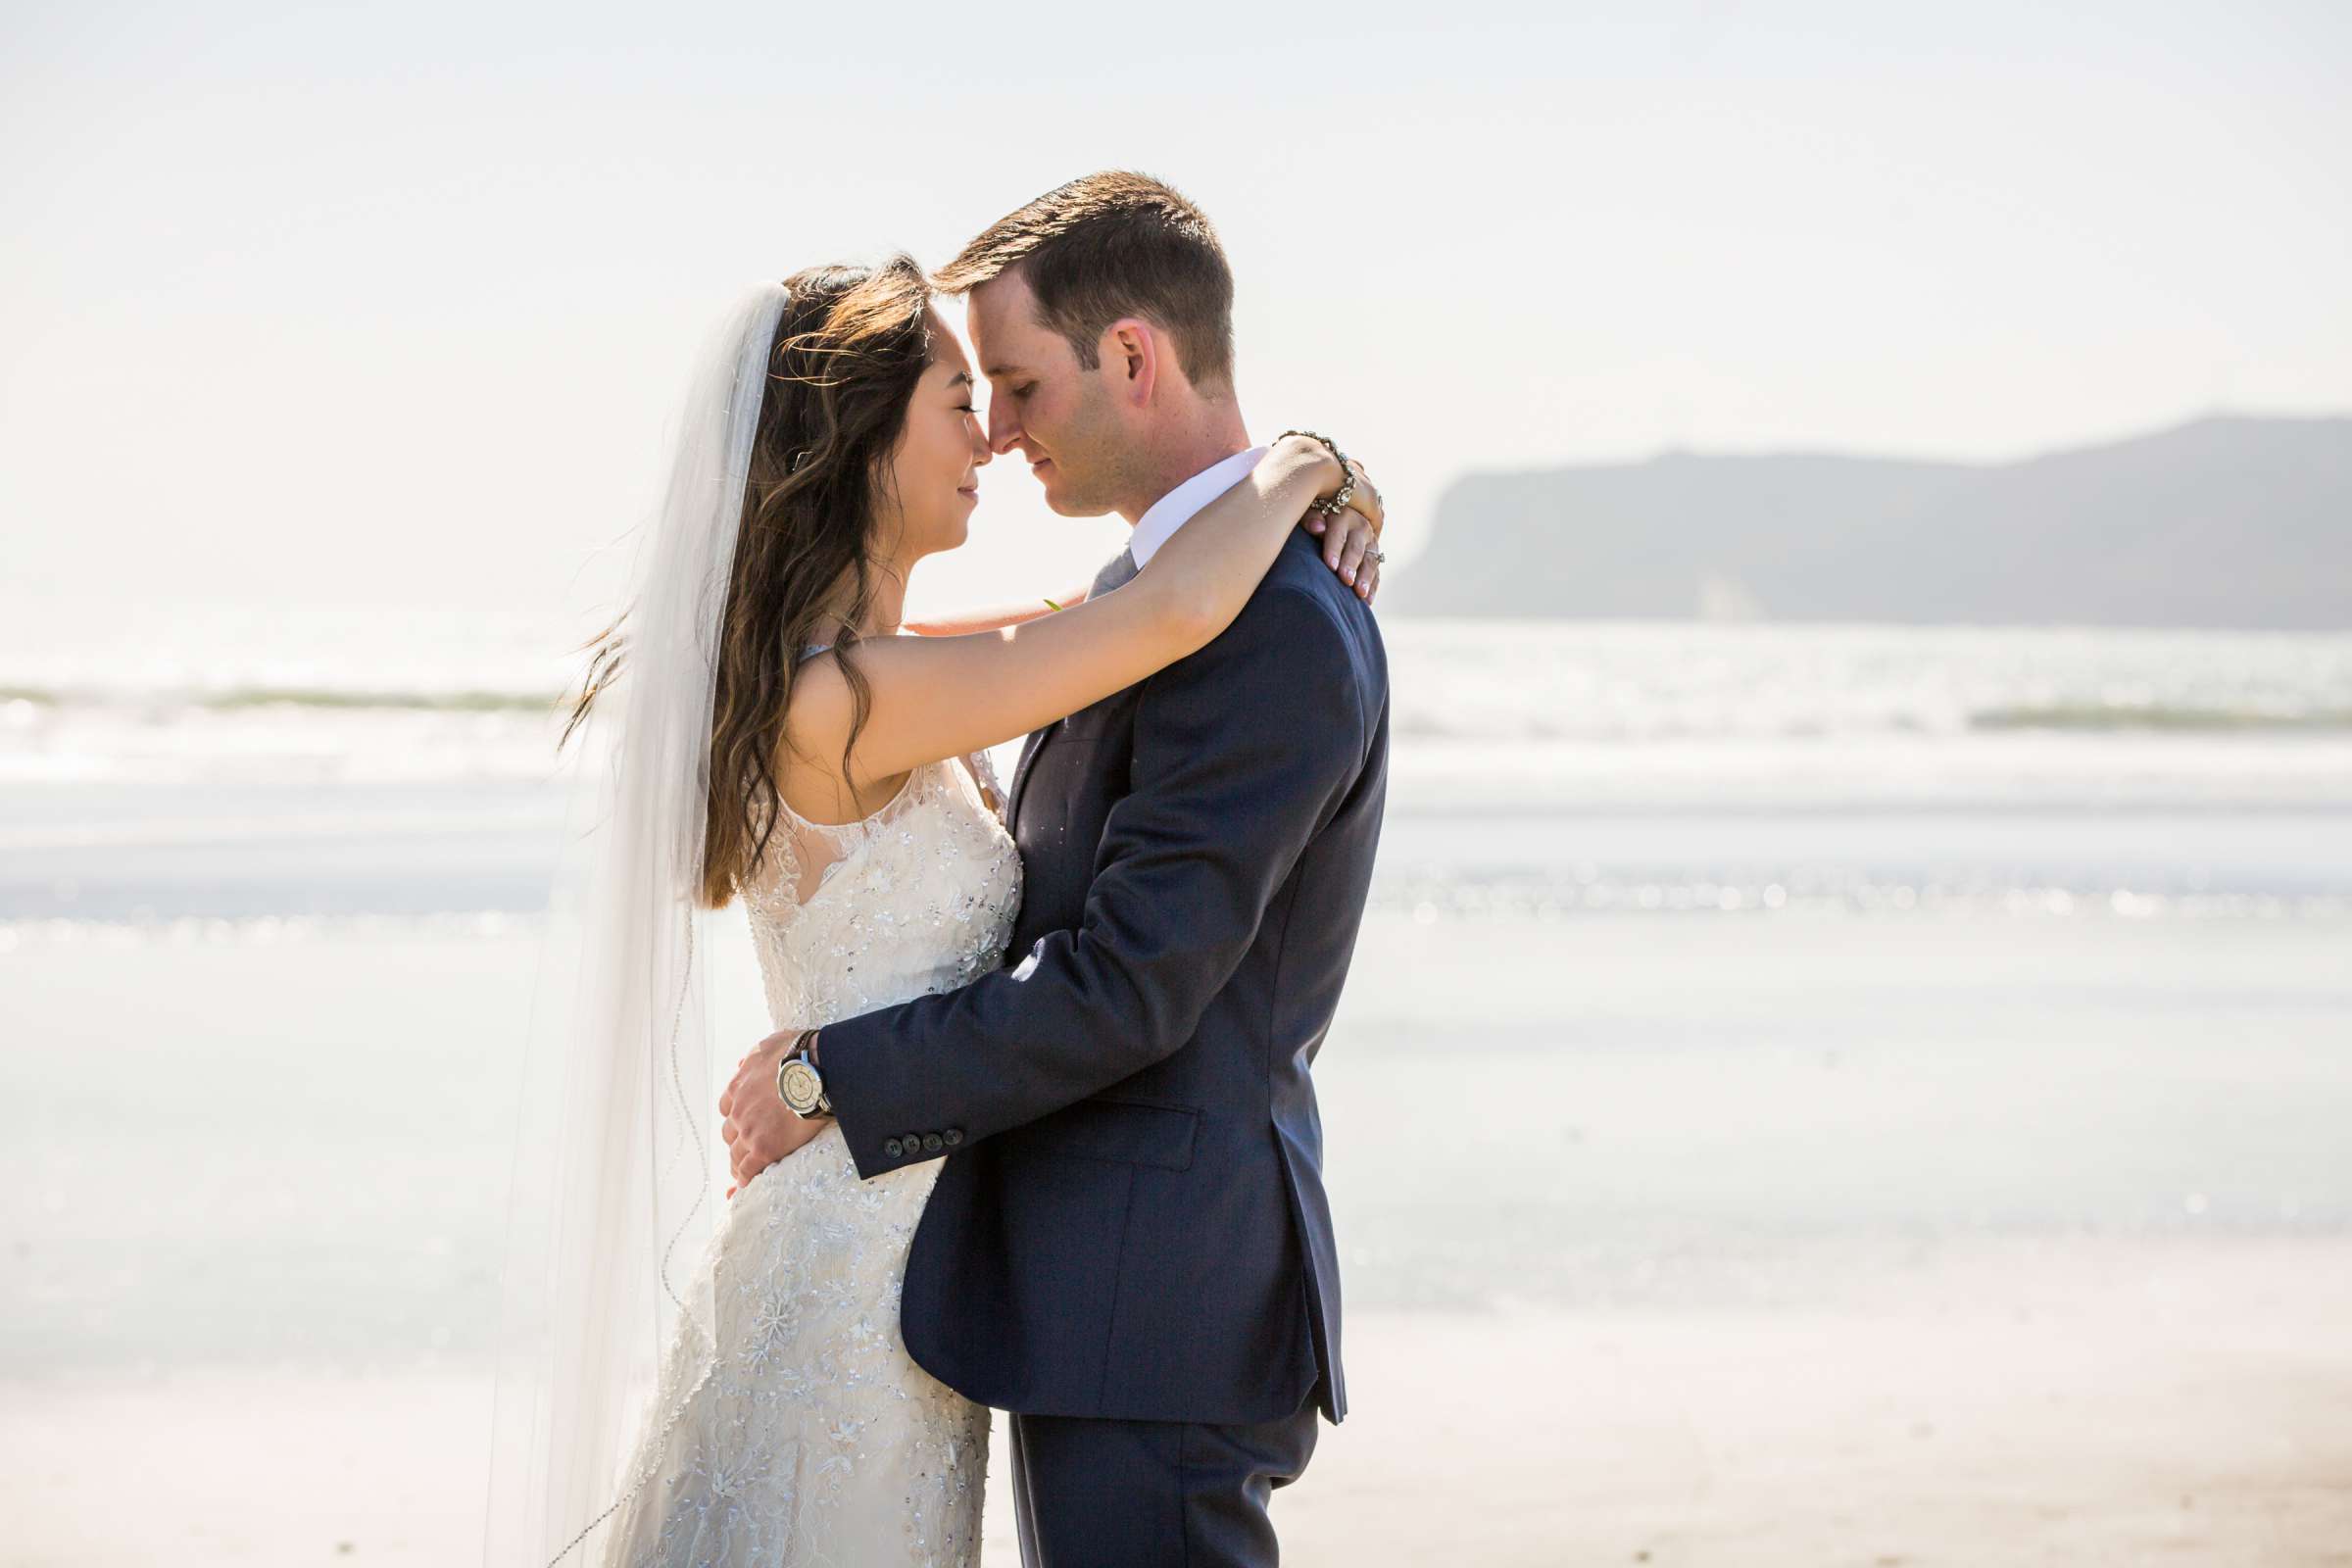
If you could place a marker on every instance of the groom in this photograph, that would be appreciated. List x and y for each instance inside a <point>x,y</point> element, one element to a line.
<point>1128,1246</point>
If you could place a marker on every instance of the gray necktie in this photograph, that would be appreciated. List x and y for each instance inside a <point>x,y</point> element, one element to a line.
<point>1122,567</point>
<point>1119,568</point>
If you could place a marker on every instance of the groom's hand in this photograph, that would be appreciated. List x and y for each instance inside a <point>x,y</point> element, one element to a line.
<point>759,1128</point>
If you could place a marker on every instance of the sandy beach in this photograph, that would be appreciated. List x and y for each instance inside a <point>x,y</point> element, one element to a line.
<point>2122,1403</point>
<point>1736,1305</point>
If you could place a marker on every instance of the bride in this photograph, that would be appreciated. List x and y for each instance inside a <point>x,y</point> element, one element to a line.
<point>781,746</point>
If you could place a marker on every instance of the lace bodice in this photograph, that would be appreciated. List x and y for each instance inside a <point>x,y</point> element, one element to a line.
<point>804,1434</point>
<point>917,898</point>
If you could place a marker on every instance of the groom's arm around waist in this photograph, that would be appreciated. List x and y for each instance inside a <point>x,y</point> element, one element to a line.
<point>1241,753</point>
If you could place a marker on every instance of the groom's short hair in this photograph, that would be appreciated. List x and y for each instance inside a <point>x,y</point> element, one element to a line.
<point>1107,246</point>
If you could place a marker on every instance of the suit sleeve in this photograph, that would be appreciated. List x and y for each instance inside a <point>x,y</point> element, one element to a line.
<point>1241,753</point>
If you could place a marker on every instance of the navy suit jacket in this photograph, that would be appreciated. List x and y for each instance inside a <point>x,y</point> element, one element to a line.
<point>1131,1220</point>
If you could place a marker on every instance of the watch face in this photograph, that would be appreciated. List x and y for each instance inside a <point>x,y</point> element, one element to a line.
<point>802,1086</point>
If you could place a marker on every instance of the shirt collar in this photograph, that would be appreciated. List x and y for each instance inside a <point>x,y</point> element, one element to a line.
<point>1174,510</point>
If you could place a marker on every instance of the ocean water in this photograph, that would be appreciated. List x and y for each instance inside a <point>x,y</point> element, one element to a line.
<point>317,765</point>
<point>1705,964</point>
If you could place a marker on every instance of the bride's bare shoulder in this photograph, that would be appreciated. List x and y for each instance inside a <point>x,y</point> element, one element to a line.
<point>821,703</point>
<point>818,713</point>
<point>824,703</point>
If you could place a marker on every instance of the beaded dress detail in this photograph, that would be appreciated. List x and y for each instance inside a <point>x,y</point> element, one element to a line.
<point>814,1439</point>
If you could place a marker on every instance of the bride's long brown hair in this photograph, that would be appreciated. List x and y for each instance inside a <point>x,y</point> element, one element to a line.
<point>848,352</point>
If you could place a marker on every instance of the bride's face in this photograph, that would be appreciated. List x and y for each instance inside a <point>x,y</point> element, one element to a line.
<point>935,473</point>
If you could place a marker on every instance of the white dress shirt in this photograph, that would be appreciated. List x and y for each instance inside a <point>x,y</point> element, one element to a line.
<point>1177,508</point>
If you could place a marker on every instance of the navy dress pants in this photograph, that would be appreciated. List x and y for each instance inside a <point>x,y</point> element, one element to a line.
<point>1095,1493</point>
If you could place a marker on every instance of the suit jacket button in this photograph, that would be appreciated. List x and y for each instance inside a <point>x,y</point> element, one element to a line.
<point>933,1143</point>
<point>951,1137</point>
<point>891,1148</point>
<point>911,1143</point>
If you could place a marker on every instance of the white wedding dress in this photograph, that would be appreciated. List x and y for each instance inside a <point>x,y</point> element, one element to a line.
<point>814,1439</point>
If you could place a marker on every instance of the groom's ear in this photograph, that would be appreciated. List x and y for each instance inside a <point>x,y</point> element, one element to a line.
<point>1131,347</point>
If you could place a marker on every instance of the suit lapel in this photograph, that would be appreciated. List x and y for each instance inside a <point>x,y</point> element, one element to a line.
<point>1020,775</point>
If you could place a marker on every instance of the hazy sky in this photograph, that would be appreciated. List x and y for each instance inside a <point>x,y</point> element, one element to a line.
<point>390,304</point>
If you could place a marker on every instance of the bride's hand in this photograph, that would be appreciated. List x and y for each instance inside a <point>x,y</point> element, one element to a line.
<point>1352,540</point>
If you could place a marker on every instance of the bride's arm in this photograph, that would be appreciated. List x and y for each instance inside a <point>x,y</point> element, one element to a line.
<point>958,623</point>
<point>1348,549</point>
<point>933,697</point>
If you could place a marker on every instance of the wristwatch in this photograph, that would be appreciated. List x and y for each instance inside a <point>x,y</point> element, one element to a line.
<point>799,1083</point>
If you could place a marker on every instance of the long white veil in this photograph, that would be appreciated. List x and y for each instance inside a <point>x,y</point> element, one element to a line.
<point>617,1160</point>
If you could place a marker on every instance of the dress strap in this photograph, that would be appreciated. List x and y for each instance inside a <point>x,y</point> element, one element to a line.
<point>975,766</point>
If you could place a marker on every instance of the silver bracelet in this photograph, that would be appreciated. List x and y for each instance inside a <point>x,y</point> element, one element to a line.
<point>1346,491</point>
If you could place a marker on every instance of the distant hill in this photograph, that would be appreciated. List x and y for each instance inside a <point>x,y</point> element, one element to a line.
<point>2224,522</point>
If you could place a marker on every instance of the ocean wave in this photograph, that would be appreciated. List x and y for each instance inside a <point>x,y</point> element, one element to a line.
<point>1429,900</point>
<point>1570,684</point>
<point>2135,716</point>
<point>1415,722</point>
<point>241,698</point>
<point>1424,901</point>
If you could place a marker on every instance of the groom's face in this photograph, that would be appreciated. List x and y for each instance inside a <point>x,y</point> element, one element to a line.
<point>1042,403</point>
